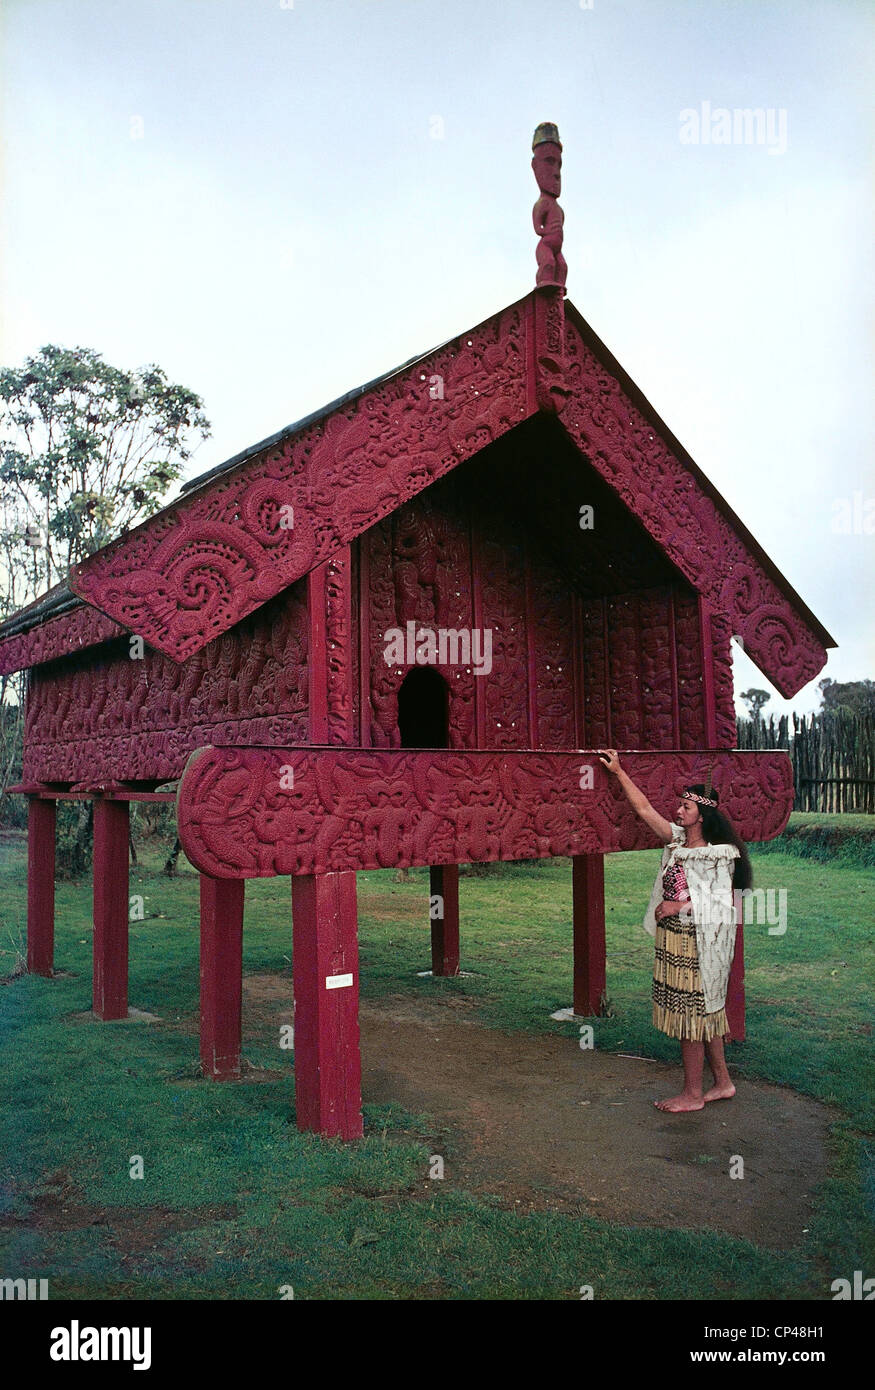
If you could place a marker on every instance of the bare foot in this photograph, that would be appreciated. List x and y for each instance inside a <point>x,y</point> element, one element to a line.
<point>721,1091</point>
<point>681,1102</point>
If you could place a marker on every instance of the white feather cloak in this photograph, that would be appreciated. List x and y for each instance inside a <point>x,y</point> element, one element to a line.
<point>708,871</point>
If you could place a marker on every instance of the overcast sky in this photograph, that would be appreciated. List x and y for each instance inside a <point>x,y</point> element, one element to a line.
<point>277,201</point>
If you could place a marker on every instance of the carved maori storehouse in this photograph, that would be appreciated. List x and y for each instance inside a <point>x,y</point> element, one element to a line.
<point>393,634</point>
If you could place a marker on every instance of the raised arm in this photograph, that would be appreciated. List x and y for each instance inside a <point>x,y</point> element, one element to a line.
<point>635,796</point>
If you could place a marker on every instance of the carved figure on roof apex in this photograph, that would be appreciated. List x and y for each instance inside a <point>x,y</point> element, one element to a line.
<point>547,215</point>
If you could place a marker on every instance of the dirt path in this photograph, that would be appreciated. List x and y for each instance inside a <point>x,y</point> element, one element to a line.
<point>536,1120</point>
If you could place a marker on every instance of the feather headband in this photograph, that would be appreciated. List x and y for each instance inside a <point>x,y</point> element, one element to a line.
<point>705,800</point>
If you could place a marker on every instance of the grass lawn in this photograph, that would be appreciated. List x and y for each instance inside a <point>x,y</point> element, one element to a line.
<point>235,1202</point>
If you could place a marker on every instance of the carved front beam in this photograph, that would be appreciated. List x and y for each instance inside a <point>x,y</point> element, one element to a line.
<point>259,812</point>
<point>91,791</point>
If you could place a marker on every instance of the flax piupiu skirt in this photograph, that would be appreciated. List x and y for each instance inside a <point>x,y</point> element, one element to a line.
<point>678,1000</point>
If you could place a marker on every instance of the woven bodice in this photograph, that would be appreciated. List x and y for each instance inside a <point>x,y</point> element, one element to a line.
<point>674,884</point>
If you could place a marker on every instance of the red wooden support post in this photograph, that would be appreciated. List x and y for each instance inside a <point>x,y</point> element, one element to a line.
<point>111,849</point>
<point>328,1069</point>
<point>40,886</point>
<point>444,914</point>
<point>222,902</point>
<point>735,989</point>
<point>588,909</point>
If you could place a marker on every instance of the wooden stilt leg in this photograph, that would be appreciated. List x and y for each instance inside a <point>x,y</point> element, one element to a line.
<point>588,899</point>
<point>222,901</point>
<point>40,886</point>
<point>735,989</point>
<point>444,913</point>
<point>111,850</point>
<point>325,969</point>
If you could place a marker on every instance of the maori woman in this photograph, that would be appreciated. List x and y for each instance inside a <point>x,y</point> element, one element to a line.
<point>692,915</point>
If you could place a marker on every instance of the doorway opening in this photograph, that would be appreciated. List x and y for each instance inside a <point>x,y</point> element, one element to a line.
<point>423,709</point>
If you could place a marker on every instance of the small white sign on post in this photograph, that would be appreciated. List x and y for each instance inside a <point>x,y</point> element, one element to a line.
<point>338,981</point>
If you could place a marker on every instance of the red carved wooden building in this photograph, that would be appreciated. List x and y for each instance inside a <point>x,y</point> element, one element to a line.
<point>316,610</point>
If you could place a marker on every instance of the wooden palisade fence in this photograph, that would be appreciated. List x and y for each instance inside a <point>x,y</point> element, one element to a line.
<point>833,757</point>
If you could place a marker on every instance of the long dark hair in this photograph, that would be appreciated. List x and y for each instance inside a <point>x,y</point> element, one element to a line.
<point>717,829</point>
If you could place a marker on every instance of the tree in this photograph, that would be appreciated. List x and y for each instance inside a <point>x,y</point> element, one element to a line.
<point>87,451</point>
<point>851,697</point>
<point>755,699</point>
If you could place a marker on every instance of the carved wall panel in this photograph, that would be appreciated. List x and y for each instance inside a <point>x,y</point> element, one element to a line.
<point>70,632</point>
<point>552,634</point>
<point>655,670</point>
<point>623,672</point>
<point>642,670</point>
<point>525,598</point>
<point>419,566</point>
<point>106,714</point>
<point>500,566</point>
<point>442,563</point>
<point>596,698</point>
<point>689,666</point>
